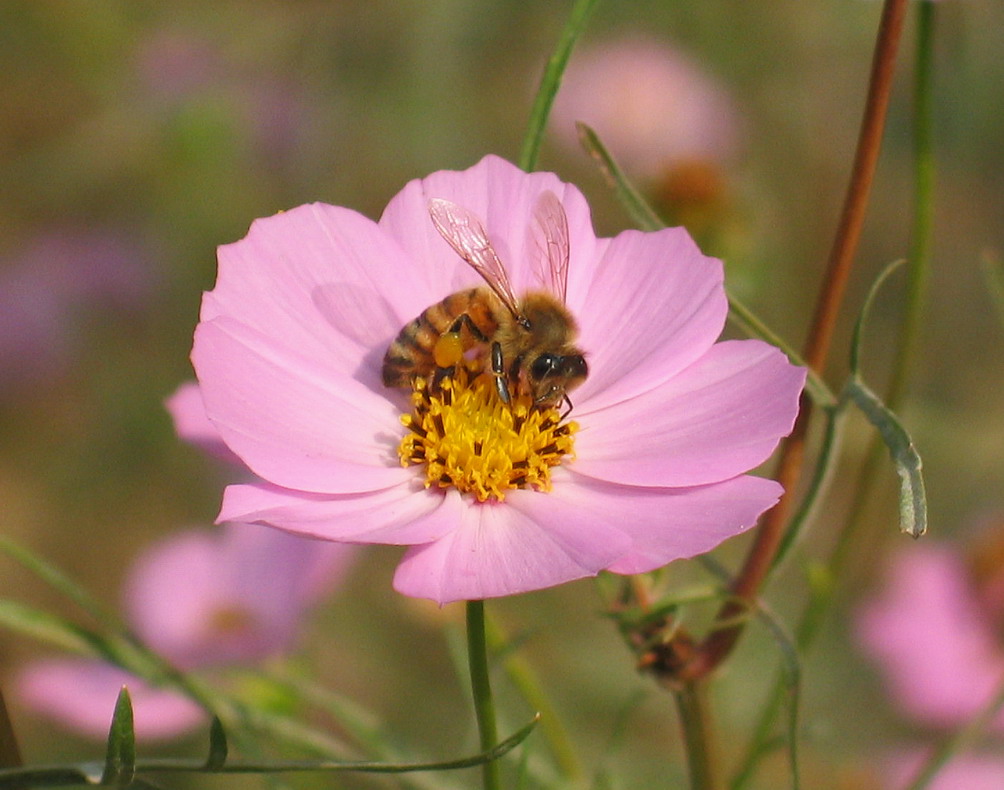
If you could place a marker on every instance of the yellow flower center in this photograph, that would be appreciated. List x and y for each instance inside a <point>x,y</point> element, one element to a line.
<point>470,440</point>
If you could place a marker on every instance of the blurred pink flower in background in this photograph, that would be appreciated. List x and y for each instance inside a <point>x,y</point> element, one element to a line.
<point>201,598</point>
<point>288,355</point>
<point>652,106</point>
<point>80,695</point>
<point>933,631</point>
<point>933,638</point>
<point>967,772</point>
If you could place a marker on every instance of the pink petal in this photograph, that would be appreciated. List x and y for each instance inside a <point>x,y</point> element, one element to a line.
<point>497,549</point>
<point>675,523</point>
<point>927,631</point>
<point>325,280</point>
<point>401,515</point>
<point>655,305</point>
<point>80,694</point>
<point>716,419</point>
<point>502,196</point>
<point>290,418</point>
<point>191,424</point>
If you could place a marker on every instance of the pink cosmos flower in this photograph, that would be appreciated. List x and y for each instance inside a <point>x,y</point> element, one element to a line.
<point>232,596</point>
<point>288,356</point>
<point>652,107</point>
<point>934,637</point>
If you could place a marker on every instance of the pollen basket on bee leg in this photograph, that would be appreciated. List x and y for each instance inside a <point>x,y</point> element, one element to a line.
<point>468,439</point>
<point>448,350</point>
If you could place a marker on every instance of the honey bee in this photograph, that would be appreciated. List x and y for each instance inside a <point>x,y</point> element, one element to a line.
<point>529,342</point>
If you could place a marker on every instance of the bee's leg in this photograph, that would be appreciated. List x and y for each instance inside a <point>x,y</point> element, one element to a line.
<point>569,410</point>
<point>498,370</point>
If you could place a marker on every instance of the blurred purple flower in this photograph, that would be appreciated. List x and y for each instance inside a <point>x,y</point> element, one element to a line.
<point>934,637</point>
<point>201,599</point>
<point>172,64</point>
<point>652,107</point>
<point>179,67</point>
<point>45,286</point>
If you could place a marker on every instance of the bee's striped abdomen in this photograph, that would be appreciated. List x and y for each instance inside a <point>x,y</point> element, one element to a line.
<point>411,352</point>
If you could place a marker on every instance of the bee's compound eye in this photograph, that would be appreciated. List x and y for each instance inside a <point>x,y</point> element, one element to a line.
<point>575,366</point>
<point>543,366</point>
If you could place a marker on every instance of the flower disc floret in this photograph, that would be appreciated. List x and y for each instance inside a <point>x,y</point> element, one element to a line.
<point>470,440</point>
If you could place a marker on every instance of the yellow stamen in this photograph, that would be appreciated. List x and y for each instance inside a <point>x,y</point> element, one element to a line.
<point>469,440</point>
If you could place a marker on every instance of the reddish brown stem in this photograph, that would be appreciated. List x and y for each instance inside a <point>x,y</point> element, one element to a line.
<point>720,642</point>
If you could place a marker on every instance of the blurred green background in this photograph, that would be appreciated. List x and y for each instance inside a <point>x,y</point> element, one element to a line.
<point>135,137</point>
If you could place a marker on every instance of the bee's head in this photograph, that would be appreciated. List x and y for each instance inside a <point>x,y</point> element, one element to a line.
<point>550,376</point>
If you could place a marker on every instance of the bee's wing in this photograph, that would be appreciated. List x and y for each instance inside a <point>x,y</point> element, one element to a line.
<point>464,232</point>
<point>549,244</point>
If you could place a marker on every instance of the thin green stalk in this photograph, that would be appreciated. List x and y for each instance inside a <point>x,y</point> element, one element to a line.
<point>691,705</point>
<point>550,82</point>
<point>919,264</point>
<point>818,484</point>
<point>525,680</point>
<point>481,689</point>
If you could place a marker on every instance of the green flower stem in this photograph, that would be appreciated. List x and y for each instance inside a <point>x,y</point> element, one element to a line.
<point>919,262</point>
<point>691,705</point>
<point>550,81</point>
<point>481,689</point>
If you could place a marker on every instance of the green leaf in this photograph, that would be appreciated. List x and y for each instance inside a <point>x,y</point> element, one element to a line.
<point>120,756</point>
<point>550,82</point>
<point>60,581</point>
<point>50,628</point>
<point>217,745</point>
<point>912,493</point>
